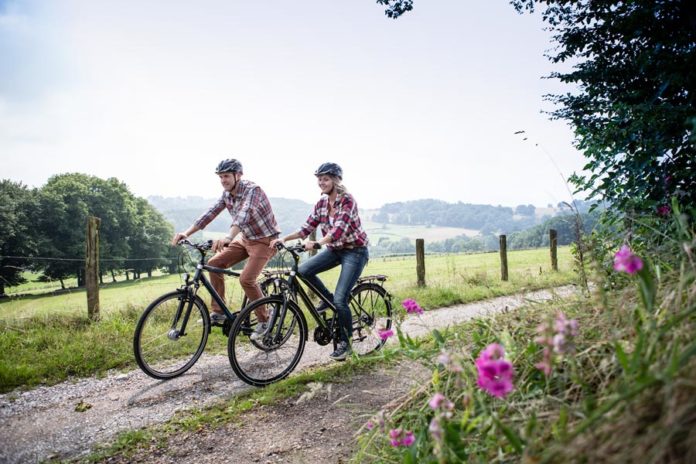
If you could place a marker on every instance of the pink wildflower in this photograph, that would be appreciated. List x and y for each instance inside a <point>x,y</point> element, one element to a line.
<point>664,210</point>
<point>398,437</point>
<point>556,337</point>
<point>385,333</point>
<point>435,428</point>
<point>626,261</point>
<point>408,439</point>
<point>370,425</point>
<point>440,401</point>
<point>436,400</point>
<point>450,364</point>
<point>495,373</point>
<point>411,306</point>
<point>544,366</point>
<point>395,437</point>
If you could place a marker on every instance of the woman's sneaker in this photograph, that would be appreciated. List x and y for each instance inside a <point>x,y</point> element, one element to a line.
<point>342,352</point>
<point>259,332</point>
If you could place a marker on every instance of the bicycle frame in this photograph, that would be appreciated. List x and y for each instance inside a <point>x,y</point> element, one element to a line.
<point>192,285</point>
<point>294,286</point>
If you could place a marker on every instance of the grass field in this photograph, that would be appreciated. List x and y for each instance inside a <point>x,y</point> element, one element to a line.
<point>47,338</point>
<point>455,276</point>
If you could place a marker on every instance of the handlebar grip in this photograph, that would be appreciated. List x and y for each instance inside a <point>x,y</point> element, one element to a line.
<point>317,246</point>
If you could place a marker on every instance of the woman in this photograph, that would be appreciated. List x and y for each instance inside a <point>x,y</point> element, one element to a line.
<point>346,245</point>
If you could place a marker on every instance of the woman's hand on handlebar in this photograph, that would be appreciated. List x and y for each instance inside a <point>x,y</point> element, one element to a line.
<point>312,245</point>
<point>274,243</point>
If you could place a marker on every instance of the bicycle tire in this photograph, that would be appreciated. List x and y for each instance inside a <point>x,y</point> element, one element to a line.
<point>371,309</point>
<point>160,350</point>
<point>274,361</point>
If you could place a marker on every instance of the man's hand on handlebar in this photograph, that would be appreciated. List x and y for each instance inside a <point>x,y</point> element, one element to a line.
<point>179,236</point>
<point>218,245</point>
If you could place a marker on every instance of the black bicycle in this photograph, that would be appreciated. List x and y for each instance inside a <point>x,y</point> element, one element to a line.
<point>282,343</point>
<point>173,330</point>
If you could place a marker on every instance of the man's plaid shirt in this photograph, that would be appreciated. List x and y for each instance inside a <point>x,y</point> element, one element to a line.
<point>344,228</point>
<point>250,210</point>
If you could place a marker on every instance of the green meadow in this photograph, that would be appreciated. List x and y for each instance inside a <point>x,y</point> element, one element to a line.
<point>48,338</point>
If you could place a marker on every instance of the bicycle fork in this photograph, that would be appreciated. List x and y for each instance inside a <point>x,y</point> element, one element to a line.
<point>187,298</point>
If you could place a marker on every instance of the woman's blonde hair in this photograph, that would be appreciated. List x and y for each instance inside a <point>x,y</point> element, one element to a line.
<point>338,185</point>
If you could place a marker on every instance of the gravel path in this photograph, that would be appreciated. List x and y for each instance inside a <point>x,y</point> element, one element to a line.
<point>45,423</point>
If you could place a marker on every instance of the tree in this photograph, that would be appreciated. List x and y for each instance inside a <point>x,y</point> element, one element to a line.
<point>525,210</point>
<point>150,238</point>
<point>17,231</point>
<point>635,102</point>
<point>396,8</point>
<point>64,208</point>
<point>633,68</point>
<point>130,227</point>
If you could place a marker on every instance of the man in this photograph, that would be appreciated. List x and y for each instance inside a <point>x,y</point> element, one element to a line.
<point>253,221</point>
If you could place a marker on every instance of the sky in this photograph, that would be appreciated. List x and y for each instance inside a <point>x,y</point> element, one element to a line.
<point>157,92</point>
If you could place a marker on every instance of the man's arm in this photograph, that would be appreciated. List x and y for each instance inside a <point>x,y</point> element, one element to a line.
<point>182,235</point>
<point>223,242</point>
<point>201,222</point>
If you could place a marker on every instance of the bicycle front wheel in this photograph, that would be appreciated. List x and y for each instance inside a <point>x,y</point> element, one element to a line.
<point>371,309</point>
<point>273,356</point>
<point>171,335</point>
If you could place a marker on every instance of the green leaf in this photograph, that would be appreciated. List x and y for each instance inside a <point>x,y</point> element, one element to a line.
<point>438,338</point>
<point>511,435</point>
<point>621,357</point>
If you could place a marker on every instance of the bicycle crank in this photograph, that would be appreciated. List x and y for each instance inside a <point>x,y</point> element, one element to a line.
<point>322,336</point>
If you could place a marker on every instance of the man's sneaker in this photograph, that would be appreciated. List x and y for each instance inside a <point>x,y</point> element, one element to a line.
<point>217,318</point>
<point>259,331</point>
<point>342,352</point>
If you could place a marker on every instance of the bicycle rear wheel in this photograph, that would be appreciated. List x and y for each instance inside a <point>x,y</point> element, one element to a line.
<point>371,309</point>
<point>163,347</point>
<point>265,361</point>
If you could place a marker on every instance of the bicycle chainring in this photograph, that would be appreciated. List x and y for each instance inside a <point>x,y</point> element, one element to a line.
<point>322,336</point>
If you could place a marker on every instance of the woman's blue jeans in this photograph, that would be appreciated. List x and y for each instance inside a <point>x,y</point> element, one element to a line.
<point>352,262</point>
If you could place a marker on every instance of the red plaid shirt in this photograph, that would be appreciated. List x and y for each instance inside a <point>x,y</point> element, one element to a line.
<point>344,228</point>
<point>250,210</point>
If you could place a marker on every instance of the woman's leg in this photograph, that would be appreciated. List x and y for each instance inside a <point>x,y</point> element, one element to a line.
<point>352,264</point>
<point>323,261</point>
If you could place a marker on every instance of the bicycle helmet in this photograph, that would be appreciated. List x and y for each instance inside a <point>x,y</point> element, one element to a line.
<point>229,165</point>
<point>331,169</point>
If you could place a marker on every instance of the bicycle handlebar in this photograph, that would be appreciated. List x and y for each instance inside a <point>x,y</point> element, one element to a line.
<point>294,249</point>
<point>201,246</point>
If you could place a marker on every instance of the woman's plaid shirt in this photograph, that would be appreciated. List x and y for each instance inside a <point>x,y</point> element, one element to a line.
<point>250,210</point>
<point>346,230</point>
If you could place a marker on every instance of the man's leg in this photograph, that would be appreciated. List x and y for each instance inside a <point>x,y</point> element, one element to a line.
<point>259,254</point>
<point>229,256</point>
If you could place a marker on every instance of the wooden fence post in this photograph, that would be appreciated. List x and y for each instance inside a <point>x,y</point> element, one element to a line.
<point>92,267</point>
<point>553,243</point>
<point>420,261</point>
<point>503,258</point>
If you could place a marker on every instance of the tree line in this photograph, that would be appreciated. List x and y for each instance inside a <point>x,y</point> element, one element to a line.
<point>43,229</point>
<point>487,219</point>
<point>567,227</point>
